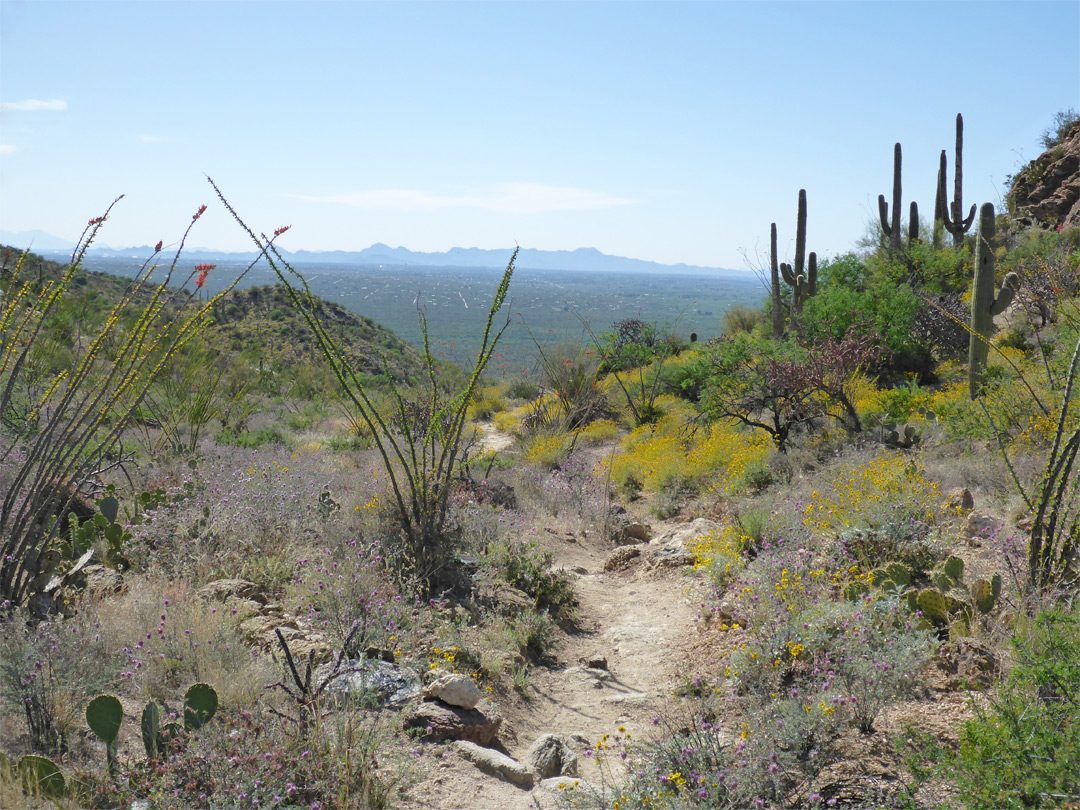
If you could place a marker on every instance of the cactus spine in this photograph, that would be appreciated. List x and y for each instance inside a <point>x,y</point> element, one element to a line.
<point>952,213</point>
<point>984,306</point>
<point>891,228</point>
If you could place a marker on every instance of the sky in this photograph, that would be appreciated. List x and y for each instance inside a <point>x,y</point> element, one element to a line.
<point>672,132</point>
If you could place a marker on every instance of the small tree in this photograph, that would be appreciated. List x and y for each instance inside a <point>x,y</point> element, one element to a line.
<point>782,386</point>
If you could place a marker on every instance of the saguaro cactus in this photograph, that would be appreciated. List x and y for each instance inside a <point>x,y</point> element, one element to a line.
<point>891,228</point>
<point>803,285</point>
<point>913,224</point>
<point>952,213</point>
<point>777,303</point>
<point>984,306</point>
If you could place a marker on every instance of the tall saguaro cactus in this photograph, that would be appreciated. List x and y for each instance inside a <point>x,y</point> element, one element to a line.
<point>891,228</point>
<point>777,303</point>
<point>952,213</point>
<point>803,285</point>
<point>984,306</point>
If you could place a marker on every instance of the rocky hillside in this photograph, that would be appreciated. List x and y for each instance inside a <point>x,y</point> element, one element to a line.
<point>1046,192</point>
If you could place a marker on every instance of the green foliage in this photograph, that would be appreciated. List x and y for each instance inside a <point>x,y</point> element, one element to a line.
<point>530,570</point>
<point>1022,749</point>
<point>1055,133</point>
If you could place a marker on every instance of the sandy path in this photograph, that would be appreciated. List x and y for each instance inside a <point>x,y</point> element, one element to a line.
<point>638,619</point>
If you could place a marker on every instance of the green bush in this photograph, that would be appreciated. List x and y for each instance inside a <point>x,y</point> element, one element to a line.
<point>1022,749</point>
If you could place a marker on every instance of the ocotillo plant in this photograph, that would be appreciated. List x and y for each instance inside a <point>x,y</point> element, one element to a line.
<point>952,213</point>
<point>984,306</point>
<point>803,286</point>
<point>891,228</point>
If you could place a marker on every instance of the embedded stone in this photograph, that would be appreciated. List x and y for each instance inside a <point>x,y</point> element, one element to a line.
<point>455,689</point>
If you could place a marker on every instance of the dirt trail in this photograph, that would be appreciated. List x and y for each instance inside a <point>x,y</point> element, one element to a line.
<point>639,620</point>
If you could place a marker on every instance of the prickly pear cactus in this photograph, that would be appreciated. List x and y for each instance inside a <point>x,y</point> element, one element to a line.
<point>985,594</point>
<point>954,568</point>
<point>854,591</point>
<point>898,573</point>
<point>200,705</point>
<point>933,605</point>
<point>104,714</point>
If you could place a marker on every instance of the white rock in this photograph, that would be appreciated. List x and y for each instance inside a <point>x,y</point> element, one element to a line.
<point>454,689</point>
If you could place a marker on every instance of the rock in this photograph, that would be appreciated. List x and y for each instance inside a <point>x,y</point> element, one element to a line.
<point>621,557</point>
<point>439,721</point>
<point>595,661</point>
<point>223,589</point>
<point>1046,192</point>
<point>968,663</point>
<point>372,681</point>
<point>682,535</point>
<point>672,556</point>
<point>978,526</point>
<point>960,500</point>
<point>494,763</point>
<point>636,533</point>
<point>98,581</point>
<point>551,756</point>
<point>455,689</point>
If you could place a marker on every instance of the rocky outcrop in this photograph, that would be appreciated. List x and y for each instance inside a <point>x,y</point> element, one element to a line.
<point>1046,192</point>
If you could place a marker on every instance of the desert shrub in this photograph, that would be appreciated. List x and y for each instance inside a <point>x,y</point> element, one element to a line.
<point>233,507</point>
<point>599,432</point>
<point>887,489</point>
<point>720,552</point>
<point>575,491</point>
<point>677,452</point>
<point>486,403</point>
<point>741,318</point>
<point>1022,748</point>
<point>347,594</point>
<point>247,759</point>
<point>49,670</point>
<point>532,571</point>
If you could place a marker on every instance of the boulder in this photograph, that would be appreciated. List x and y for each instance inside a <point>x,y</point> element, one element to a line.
<point>551,756</point>
<point>438,721</point>
<point>222,590</point>
<point>455,689</point>
<point>1046,192</point>
<point>372,681</point>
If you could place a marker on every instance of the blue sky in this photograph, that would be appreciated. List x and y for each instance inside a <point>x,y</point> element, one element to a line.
<point>674,132</point>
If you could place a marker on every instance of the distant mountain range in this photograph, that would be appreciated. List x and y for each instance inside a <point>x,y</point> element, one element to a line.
<point>584,259</point>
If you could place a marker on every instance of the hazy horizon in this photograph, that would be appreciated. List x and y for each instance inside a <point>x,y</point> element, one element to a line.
<point>667,132</point>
